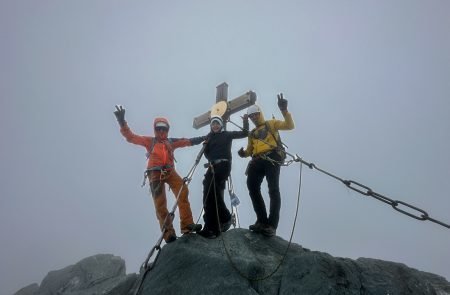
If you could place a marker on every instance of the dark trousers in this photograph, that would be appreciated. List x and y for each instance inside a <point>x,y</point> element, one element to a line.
<point>213,192</point>
<point>258,169</point>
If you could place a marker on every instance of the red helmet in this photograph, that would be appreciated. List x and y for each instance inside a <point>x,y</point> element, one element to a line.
<point>161,122</point>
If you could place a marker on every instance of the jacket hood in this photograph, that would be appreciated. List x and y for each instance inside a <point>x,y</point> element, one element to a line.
<point>261,120</point>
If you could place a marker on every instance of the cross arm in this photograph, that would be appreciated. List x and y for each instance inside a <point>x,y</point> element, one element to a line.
<point>235,105</point>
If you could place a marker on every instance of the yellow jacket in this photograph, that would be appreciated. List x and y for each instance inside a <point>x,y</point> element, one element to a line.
<point>261,140</point>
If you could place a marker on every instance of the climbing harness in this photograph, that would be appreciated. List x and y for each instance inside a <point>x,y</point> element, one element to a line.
<point>364,190</point>
<point>146,267</point>
<point>165,170</point>
<point>148,154</point>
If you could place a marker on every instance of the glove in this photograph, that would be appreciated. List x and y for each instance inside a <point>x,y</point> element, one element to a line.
<point>282,103</point>
<point>120,115</point>
<point>241,152</point>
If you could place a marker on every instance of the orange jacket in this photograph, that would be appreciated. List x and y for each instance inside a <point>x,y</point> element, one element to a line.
<point>162,153</point>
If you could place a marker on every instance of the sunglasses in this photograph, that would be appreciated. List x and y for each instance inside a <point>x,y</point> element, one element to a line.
<point>161,129</point>
<point>253,116</point>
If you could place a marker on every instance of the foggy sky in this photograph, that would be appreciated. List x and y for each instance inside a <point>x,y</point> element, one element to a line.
<point>367,84</point>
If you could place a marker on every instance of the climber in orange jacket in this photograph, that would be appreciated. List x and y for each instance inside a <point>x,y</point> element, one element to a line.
<point>161,170</point>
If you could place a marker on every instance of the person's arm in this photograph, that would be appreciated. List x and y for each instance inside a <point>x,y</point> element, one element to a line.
<point>126,131</point>
<point>184,142</point>
<point>198,140</point>
<point>288,123</point>
<point>244,132</point>
<point>248,151</point>
<point>145,141</point>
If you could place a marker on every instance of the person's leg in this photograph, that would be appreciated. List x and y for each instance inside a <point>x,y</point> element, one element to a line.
<point>209,202</point>
<point>273,180</point>
<point>254,180</point>
<point>222,172</point>
<point>158,191</point>
<point>184,207</point>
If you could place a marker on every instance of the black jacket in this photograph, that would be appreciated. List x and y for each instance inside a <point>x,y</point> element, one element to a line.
<point>218,145</point>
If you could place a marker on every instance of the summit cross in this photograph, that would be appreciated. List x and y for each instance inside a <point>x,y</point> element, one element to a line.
<point>233,106</point>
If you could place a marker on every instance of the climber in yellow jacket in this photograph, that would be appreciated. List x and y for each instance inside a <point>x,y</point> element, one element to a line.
<point>265,148</point>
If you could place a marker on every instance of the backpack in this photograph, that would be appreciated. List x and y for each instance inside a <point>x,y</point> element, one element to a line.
<point>280,146</point>
<point>276,135</point>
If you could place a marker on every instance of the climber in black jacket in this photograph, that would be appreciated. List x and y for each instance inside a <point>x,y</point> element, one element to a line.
<point>218,154</point>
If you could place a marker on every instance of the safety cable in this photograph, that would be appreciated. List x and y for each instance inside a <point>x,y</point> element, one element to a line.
<point>362,189</point>
<point>287,248</point>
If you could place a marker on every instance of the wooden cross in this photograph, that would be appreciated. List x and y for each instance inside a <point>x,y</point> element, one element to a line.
<point>235,105</point>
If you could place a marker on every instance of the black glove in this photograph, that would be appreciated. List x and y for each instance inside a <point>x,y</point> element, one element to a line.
<point>245,126</point>
<point>241,152</point>
<point>282,103</point>
<point>120,115</point>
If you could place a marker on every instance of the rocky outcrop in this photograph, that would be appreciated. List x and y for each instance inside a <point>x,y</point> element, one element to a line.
<point>99,274</point>
<point>240,262</point>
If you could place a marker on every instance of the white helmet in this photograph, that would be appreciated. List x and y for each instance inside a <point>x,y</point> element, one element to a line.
<point>253,109</point>
<point>217,119</point>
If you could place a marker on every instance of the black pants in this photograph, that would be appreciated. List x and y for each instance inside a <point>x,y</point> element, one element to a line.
<point>213,191</point>
<point>258,169</point>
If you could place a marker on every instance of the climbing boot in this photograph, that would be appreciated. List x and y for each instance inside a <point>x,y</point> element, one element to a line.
<point>269,231</point>
<point>171,238</point>
<point>209,234</point>
<point>192,228</point>
<point>257,227</point>
<point>225,226</point>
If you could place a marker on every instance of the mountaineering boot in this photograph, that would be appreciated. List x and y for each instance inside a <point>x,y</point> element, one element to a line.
<point>209,234</point>
<point>192,228</point>
<point>225,226</point>
<point>269,231</point>
<point>257,227</point>
<point>171,238</point>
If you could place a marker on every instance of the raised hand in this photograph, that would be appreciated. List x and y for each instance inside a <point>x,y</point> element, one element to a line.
<point>282,103</point>
<point>120,115</point>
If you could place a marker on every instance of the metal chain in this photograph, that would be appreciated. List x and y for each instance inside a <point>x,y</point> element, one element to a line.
<point>367,191</point>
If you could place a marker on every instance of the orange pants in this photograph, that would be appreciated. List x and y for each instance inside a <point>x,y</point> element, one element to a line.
<point>157,187</point>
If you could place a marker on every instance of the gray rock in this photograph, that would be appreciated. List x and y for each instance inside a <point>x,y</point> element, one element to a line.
<point>239,262</point>
<point>242,262</point>
<point>99,274</point>
<point>28,290</point>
